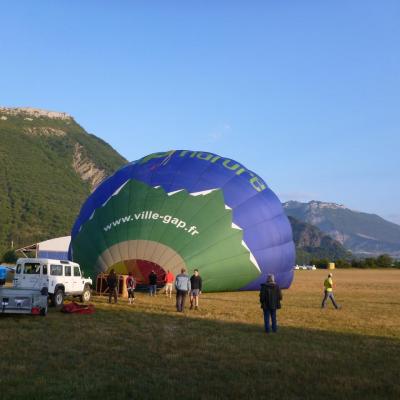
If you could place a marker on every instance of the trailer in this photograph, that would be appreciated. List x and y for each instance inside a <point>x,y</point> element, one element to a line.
<point>23,301</point>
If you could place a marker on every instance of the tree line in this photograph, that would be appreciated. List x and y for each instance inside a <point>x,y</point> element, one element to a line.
<point>382,261</point>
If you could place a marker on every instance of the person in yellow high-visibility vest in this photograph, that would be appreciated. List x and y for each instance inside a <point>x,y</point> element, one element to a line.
<point>328,292</point>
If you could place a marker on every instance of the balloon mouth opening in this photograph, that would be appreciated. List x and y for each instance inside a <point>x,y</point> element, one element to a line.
<point>141,270</point>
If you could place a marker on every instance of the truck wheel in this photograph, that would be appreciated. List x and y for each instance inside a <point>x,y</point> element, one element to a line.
<point>86,294</point>
<point>57,299</point>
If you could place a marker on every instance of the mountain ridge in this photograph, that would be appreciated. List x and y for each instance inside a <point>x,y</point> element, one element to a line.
<point>362,233</point>
<point>33,112</point>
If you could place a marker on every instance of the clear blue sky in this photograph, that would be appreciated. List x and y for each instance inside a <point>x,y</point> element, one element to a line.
<point>305,93</point>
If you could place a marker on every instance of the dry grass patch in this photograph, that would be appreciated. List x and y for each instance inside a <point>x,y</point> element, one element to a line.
<point>147,350</point>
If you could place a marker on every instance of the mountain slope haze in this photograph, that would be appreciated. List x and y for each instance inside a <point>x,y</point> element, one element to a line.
<point>361,233</point>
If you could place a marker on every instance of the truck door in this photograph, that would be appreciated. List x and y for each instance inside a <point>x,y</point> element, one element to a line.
<point>68,279</point>
<point>56,276</point>
<point>78,286</point>
<point>18,276</point>
<point>45,276</point>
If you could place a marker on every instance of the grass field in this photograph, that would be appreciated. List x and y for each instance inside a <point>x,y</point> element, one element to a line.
<point>148,351</point>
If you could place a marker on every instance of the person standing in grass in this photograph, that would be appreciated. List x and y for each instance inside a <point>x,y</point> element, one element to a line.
<point>112,283</point>
<point>153,283</point>
<point>270,299</point>
<point>169,280</point>
<point>182,286</point>
<point>195,283</point>
<point>328,292</point>
<point>131,285</point>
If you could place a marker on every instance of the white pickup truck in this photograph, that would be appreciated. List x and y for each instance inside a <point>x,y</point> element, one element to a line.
<point>61,278</point>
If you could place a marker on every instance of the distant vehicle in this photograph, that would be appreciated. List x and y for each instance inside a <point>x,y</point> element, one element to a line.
<point>3,273</point>
<point>60,278</point>
<point>305,267</point>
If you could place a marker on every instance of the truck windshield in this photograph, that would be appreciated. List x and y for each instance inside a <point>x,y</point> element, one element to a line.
<point>31,268</point>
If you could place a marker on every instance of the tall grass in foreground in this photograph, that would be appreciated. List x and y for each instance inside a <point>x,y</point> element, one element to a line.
<point>148,351</point>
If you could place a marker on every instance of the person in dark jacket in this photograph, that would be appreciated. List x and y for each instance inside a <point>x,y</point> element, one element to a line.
<point>152,283</point>
<point>270,299</point>
<point>195,292</point>
<point>112,286</point>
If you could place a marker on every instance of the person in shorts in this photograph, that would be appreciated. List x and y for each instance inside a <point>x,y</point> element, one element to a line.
<point>195,292</point>
<point>131,285</point>
<point>169,281</point>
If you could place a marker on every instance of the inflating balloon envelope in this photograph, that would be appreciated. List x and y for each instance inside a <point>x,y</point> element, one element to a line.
<point>185,209</point>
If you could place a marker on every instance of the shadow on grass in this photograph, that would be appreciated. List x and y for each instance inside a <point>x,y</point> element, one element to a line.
<point>131,353</point>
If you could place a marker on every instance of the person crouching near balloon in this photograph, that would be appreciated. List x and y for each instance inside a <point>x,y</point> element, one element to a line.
<point>182,286</point>
<point>270,299</point>
<point>195,292</point>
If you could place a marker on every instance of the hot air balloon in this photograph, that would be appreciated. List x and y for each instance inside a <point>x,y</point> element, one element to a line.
<point>186,209</point>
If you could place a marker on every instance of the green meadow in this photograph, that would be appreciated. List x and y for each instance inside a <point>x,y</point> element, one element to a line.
<point>149,351</point>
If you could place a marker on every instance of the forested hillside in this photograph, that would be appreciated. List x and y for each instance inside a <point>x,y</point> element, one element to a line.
<point>48,166</point>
